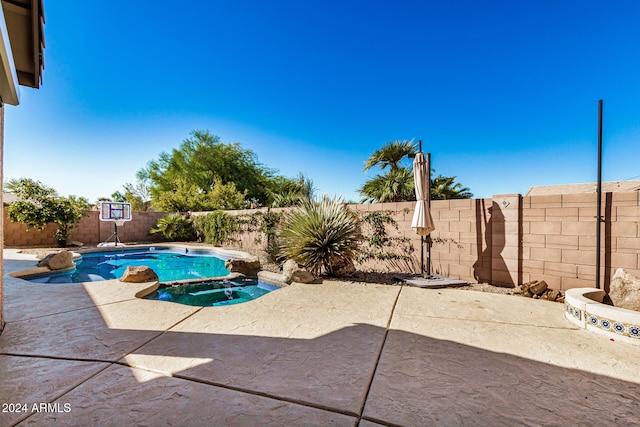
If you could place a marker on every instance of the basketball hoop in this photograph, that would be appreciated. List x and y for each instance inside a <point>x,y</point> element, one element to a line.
<point>116,212</point>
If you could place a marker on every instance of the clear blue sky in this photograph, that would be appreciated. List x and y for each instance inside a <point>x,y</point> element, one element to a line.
<point>502,93</point>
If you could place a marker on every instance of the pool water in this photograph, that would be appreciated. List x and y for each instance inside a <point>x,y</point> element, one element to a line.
<point>169,264</point>
<point>213,293</point>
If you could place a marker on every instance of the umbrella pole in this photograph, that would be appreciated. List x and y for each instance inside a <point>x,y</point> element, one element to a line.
<point>429,207</point>
<point>421,254</point>
<point>421,236</point>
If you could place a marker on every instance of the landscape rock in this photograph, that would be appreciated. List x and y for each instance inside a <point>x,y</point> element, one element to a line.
<point>624,290</point>
<point>247,266</point>
<point>539,288</point>
<point>550,295</point>
<point>292,272</point>
<point>139,274</point>
<point>58,261</point>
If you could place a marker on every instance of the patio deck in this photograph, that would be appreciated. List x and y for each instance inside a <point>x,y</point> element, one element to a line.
<point>339,353</point>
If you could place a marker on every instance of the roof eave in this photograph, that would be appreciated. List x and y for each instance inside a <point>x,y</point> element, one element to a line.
<point>9,90</point>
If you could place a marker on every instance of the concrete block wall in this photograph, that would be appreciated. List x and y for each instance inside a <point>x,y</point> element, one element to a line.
<point>462,239</point>
<point>90,231</point>
<point>559,238</point>
<point>505,240</point>
<point>401,213</point>
<point>251,239</point>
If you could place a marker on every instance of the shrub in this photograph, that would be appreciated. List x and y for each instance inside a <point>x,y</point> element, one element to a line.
<point>268,226</point>
<point>216,227</point>
<point>393,252</point>
<point>39,205</point>
<point>321,235</point>
<point>175,227</point>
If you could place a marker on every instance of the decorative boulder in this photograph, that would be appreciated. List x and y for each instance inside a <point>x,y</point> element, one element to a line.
<point>624,290</point>
<point>58,261</point>
<point>139,274</point>
<point>292,272</point>
<point>246,266</point>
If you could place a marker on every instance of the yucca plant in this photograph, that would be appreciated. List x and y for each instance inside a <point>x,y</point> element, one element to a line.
<point>321,235</point>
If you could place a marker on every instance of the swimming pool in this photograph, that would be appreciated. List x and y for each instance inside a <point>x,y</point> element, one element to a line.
<point>170,264</point>
<point>213,293</point>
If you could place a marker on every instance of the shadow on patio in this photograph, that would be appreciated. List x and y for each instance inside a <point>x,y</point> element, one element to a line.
<point>309,355</point>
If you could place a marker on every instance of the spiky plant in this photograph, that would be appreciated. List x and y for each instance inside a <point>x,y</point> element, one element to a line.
<point>321,235</point>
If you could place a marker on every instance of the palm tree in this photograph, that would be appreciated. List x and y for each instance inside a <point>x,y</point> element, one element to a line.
<point>394,186</point>
<point>391,155</point>
<point>446,187</point>
<point>293,192</point>
<point>397,183</point>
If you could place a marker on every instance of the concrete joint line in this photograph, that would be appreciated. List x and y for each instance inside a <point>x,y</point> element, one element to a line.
<point>154,337</point>
<point>375,367</point>
<point>267,395</point>
<point>71,387</point>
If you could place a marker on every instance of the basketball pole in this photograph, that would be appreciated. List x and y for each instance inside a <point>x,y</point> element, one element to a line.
<point>115,233</point>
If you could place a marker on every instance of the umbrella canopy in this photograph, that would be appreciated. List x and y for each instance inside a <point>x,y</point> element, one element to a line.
<point>422,221</point>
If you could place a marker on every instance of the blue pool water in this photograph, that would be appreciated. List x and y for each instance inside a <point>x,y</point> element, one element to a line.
<point>169,264</point>
<point>214,293</point>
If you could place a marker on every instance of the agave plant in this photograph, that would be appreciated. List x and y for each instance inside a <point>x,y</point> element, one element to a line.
<point>321,234</point>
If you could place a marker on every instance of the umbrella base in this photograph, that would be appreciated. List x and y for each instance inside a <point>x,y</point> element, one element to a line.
<point>432,281</point>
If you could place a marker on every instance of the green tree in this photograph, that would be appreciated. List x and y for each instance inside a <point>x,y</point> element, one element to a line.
<point>226,196</point>
<point>292,191</point>
<point>175,227</point>
<point>185,196</point>
<point>39,205</point>
<point>443,187</point>
<point>397,183</point>
<point>391,155</point>
<point>394,186</point>
<point>138,195</point>
<point>200,162</point>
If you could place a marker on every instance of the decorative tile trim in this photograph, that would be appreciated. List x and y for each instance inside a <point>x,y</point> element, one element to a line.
<point>611,325</point>
<point>575,312</point>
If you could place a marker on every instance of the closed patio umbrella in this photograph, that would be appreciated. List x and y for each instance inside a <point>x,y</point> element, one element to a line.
<point>422,221</point>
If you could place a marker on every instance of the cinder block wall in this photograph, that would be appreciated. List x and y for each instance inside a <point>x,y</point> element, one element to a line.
<point>89,231</point>
<point>559,238</point>
<point>509,239</point>
<point>505,240</point>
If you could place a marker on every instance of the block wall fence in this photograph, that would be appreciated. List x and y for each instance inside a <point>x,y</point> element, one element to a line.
<point>504,240</point>
<point>89,231</point>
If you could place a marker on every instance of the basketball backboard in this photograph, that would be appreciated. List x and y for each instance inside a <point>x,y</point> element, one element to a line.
<point>115,211</point>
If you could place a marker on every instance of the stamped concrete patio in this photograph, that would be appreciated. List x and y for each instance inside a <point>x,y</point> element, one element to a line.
<point>331,354</point>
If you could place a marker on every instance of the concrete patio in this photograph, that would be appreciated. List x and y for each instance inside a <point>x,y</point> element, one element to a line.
<point>333,354</point>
